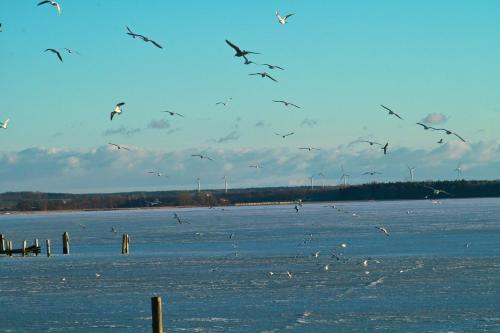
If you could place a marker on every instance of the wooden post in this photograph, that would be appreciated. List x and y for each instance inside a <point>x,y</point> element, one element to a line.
<point>24,248</point>
<point>36,245</point>
<point>2,243</point>
<point>9,248</point>
<point>125,242</point>
<point>157,314</point>
<point>47,242</point>
<point>65,239</point>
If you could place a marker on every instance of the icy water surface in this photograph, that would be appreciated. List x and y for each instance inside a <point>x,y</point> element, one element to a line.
<point>438,271</point>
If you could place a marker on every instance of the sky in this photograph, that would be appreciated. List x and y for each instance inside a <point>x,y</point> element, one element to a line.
<point>432,62</point>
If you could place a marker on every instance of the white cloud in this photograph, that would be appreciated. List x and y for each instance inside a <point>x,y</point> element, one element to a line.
<point>435,119</point>
<point>108,170</point>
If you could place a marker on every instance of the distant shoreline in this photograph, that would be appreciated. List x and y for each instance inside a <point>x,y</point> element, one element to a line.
<point>38,202</point>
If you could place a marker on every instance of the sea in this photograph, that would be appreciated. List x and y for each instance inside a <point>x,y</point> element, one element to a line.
<point>325,268</point>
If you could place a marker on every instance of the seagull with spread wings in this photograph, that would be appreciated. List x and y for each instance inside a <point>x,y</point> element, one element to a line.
<point>384,230</point>
<point>117,109</point>
<point>285,103</point>
<point>371,143</point>
<point>309,148</point>
<point>273,66</point>
<point>384,148</point>
<point>284,135</point>
<point>282,20</point>
<point>118,146</point>
<point>201,156</point>
<point>256,166</point>
<point>391,112</point>
<point>224,103</point>
<point>144,38</point>
<point>448,132</point>
<point>4,124</point>
<point>426,127</point>
<point>239,52</point>
<point>173,113</point>
<point>52,3</point>
<point>264,75</point>
<point>57,53</point>
<point>437,192</point>
<point>372,173</point>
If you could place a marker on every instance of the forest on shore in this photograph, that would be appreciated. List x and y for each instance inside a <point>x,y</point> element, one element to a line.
<point>38,201</point>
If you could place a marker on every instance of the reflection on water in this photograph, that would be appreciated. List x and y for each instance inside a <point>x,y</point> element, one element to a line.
<point>438,271</point>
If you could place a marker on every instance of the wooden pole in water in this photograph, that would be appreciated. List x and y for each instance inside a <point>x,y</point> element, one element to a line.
<point>65,238</point>
<point>2,243</point>
<point>157,314</point>
<point>125,242</point>
<point>9,248</point>
<point>24,248</point>
<point>128,241</point>
<point>37,245</point>
<point>47,242</point>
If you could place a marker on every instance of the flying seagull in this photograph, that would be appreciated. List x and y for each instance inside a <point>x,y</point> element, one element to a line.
<point>282,20</point>
<point>437,192</point>
<point>371,143</point>
<point>0,27</point>
<point>144,38</point>
<point>384,230</point>
<point>255,166</point>
<point>202,156</point>
<point>239,52</point>
<point>118,146</point>
<point>56,53</point>
<point>426,127</point>
<point>156,173</point>
<point>285,103</point>
<point>371,173</point>
<point>52,3</point>
<point>448,132</point>
<point>4,124</point>
<point>264,74</point>
<point>384,148</point>
<point>309,148</point>
<point>391,112</point>
<point>117,110</point>
<point>273,66</point>
<point>174,113</point>
<point>440,141</point>
<point>224,103</point>
<point>70,51</point>
<point>284,135</point>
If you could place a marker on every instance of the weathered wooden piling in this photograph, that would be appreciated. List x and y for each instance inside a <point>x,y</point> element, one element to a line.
<point>125,243</point>
<point>2,243</point>
<point>157,314</point>
<point>9,248</point>
<point>37,246</point>
<point>47,243</point>
<point>24,248</point>
<point>65,239</point>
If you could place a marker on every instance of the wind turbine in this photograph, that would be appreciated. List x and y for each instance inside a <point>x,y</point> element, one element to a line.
<point>225,183</point>
<point>412,173</point>
<point>344,175</point>
<point>459,171</point>
<point>199,184</point>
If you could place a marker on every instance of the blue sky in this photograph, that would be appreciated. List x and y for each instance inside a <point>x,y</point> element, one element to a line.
<point>342,60</point>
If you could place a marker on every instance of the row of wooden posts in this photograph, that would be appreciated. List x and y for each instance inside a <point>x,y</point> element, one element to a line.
<point>6,246</point>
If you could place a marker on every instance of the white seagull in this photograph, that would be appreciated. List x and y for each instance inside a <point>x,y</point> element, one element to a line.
<point>384,230</point>
<point>255,166</point>
<point>117,110</point>
<point>202,156</point>
<point>309,148</point>
<point>264,75</point>
<point>224,103</point>
<point>282,20</point>
<point>285,103</point>
<point>118,146</point>
<point>4,124</point>
<point>437,192</point>
<point>52,3</point>
<point>174,113</point>
<point>284,135</point>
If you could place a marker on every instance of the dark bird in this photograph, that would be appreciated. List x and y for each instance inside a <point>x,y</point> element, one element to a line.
<point>70,51</point>
<point>264,74</point>
<point>0,27</point>
<point>391,112</point>
<point>52,3</point>
<point>174,113</point>
<point>178,219</point>
<point>285,103</point>
<point>371,173</point>
<point>284,135</point>
<point>202,156</point>
<point>248,61</point>
<point>144,38</point>
<point>273,66</point>
<point>118,146</point>
<point>426,127</point>
<point>448,132</point>
<point>239,52</point>
<point>309,148</point>
<point>384,148</point>
<point>56,53</point>
<point>371,143</point>
<point>117,110</point>
<point>440,141</point>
